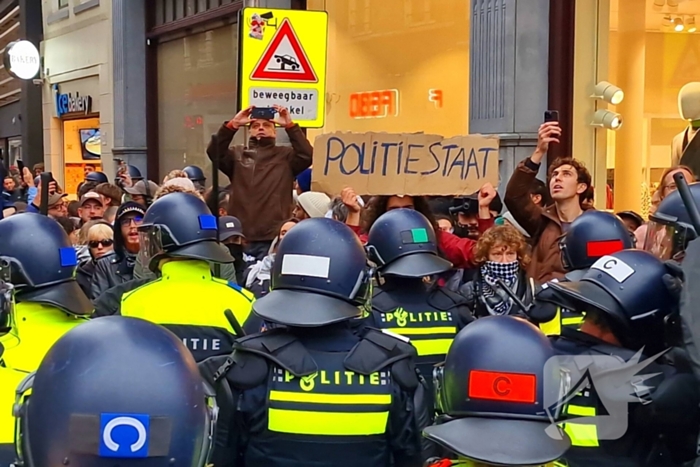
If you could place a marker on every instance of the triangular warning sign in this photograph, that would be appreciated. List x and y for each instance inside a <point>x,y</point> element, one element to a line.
<point>285,59</point>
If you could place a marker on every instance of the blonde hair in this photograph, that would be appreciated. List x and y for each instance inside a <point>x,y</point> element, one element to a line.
<point>100,232</point>
<point>167,189</point>
<point>83,234</point>
<point>177,173</point>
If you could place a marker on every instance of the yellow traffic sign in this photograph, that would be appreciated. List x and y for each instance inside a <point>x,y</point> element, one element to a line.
<point>283,62</point>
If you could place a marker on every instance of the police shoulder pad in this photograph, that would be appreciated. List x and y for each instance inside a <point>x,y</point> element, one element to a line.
<point>376,351</point>
<point>280,347</point>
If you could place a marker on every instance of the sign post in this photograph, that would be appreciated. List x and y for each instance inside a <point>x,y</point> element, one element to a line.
<point>283,62</point>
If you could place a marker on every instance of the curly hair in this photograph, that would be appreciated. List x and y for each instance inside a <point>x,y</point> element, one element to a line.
<point>168,189</point>
<point>177,173</point>
<point>377,206</point>
<point>505,235</point>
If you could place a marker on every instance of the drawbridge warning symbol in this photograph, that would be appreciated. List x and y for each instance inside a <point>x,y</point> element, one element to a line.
<point>285,59</point>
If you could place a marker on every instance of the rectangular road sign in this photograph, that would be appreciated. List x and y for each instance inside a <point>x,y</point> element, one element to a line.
<point>283,62</point>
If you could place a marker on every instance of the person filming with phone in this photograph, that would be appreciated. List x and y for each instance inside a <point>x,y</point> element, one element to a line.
<point>569,185</point>
<point>262,173</point>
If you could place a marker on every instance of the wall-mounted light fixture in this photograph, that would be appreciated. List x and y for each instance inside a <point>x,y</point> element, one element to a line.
<point>607,119</point>
<point>678,24</point>
<point>608,92</point>
<point>659,3</point>
<point>690,24</point>
<point>672,3</point>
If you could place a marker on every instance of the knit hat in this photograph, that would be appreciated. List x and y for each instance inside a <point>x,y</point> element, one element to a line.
<point>316,204</point>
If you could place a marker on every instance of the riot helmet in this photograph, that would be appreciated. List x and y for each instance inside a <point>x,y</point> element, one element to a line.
<point>669,229</point>
<point>134,173</point>
<point>320,276</point>
<point>402,242</point>
<point>97,177</point>
<point>115,391</point>
<point>195,174</point>
<point>591,236</point>
<point>180,225</point>
<point>498,395</point>
<point>42,263</point>
<point>630,288</point>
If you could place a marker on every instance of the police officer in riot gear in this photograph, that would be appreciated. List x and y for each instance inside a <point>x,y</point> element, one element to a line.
<point>134,173</point>
<point>97,177</point>
<point>37,269</point>
<point>49,301</point>
<point>9,378</point>
<point>196,174</point>
<point>311,391</point>
<point>631,304</point>
<point>591,236</point>
<point>178,240</point>
<point>403,245</point>
<point>670,229</point>
<point>492,394</point>
<point>127,393</point>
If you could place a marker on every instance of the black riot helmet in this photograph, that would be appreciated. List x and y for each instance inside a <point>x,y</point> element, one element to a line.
<point>670,230</point>
<point>180,225</point>
<point>320,276</point>
<point>195,173</point>
<point>591,236</point>
<point>402,242</point>
<point>630,288</point>
<point>134,173</point>
<point>497,392</point>
<point>115,391</point>
<point>42,263</point>
<point>97,177</point>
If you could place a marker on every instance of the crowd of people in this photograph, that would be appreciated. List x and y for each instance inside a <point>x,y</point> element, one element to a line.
<point>334,329</point>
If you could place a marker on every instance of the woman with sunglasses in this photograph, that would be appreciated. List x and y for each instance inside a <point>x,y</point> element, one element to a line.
<point>97,241</point>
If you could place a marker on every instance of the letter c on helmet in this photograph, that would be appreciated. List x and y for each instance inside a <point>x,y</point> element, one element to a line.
<point>124,421</point>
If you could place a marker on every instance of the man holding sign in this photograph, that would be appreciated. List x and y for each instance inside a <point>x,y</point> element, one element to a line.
<point>261,173</point>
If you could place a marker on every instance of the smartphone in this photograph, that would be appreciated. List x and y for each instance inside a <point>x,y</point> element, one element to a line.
<point>20,167</point>
<point>551,116</point>
<point>263,113</point>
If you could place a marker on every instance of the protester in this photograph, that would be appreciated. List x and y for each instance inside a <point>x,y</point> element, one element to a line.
<point>111,194</point>
<point>118,268</point>
<point>569,186</point>
<point>11,190</point>
<point>38,169</point>
<point>262,174</point>
<point>99,242</point>
<point>632,220</point>
<point>91,207</point>
<point>177,173</point>
<point>69,226</point>
<point>445,223</point>
<point>231,236</point>
<point>312,204</point>
<point>456,250</point>
<point>177,185</point>
<point>303,182</point>
<point>337,210</point>
<point>502,256</point>
<point>142,192</point>
<point>465,211</point>
<point>110,214</point>
<point>257,276</point>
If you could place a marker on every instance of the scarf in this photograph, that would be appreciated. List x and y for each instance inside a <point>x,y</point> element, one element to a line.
<point>260,271</point>
<point>497,301</point>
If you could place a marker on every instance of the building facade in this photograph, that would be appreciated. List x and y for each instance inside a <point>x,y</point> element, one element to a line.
<point>78,101</point>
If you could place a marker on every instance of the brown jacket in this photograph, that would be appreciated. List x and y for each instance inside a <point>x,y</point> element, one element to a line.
<point>262,178</point>
<point>542,224</point>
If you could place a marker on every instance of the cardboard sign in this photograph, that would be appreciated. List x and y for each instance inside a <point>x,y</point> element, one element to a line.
<point>404,164</point>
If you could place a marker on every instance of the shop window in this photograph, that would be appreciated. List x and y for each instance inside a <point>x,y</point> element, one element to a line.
<point>397,66</point>
<point>197,92</point>
<point>662,40</point>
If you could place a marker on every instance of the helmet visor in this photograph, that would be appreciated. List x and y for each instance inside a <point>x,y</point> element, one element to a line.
<point>150,243</point>
<point>661,240</point>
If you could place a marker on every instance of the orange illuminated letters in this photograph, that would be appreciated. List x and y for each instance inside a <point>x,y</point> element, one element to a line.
<point>374,104</point>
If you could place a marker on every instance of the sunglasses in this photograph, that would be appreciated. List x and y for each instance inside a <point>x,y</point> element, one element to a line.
<point>127,221</point>
<point>96,243</point>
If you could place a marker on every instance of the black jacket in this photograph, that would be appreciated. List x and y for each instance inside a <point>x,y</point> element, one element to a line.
<point>84,274</point>
<point>472,291</point>
<point>111,270</point>
<point>109,303</point>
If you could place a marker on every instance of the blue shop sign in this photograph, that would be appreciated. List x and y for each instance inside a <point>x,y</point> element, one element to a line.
<point>68,104</point>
